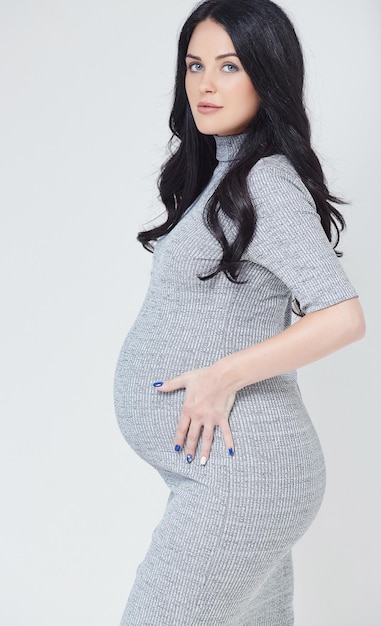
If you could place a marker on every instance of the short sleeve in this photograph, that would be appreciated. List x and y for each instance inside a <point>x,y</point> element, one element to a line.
<point>289,239</point>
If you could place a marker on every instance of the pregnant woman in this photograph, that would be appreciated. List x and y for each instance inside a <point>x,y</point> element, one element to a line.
<point>205,385</point>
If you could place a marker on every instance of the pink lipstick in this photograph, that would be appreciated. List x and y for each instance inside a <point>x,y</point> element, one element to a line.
<point>208,107</point>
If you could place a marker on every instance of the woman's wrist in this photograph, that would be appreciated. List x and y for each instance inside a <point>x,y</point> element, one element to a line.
<point>230,372</point>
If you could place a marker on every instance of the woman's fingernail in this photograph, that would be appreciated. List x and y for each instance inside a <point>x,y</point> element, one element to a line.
<point>203,460</point>
<point>189,458</point>
<point>231,452</point>
<point>177,447</point>
<point>158,384</point>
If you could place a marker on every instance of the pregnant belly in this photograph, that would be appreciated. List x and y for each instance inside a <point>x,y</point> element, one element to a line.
<point>156,353</point>
<point>144,414</point>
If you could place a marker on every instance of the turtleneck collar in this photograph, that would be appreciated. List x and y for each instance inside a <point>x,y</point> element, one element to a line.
<point>228,146</point>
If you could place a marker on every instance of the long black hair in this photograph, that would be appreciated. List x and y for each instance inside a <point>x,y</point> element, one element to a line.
<point>270,53</point>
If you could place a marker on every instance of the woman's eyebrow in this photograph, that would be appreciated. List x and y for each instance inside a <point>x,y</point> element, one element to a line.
<point>220,56</point>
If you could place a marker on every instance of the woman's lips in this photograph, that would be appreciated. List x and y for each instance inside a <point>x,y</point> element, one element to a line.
<point>208,107</point>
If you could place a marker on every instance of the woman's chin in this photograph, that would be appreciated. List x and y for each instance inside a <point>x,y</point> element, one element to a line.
<point>206,127</point>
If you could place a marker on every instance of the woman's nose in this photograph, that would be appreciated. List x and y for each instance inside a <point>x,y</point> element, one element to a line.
<point>206,84</point>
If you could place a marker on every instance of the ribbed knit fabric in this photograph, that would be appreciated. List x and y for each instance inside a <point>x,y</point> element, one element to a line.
<point>221,555</point>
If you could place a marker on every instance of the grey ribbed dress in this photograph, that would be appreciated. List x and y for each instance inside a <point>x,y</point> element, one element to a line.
<point>221,555</point>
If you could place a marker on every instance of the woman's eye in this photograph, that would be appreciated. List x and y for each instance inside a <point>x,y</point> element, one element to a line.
<point>230,67</point>
<point>195,67</point>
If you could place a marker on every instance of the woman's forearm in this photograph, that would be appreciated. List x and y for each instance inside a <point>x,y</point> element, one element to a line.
<point>311,338</point>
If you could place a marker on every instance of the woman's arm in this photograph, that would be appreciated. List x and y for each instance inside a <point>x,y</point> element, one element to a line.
<point>311,338</point>
<point>210,392</point>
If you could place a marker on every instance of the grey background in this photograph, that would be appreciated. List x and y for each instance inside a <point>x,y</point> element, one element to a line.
<point>85,96</point>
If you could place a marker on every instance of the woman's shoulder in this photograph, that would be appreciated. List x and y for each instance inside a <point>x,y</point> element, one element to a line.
<point>276,174</point>
<point>273,166</point>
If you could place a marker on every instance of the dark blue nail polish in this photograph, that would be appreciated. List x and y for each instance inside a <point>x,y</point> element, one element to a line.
<point>231,452</point>
<point>159,384</point>
<point>177,447</point>
<point>189,458</point>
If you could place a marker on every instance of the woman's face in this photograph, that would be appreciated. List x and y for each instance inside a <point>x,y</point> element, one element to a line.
<point>221,95</point>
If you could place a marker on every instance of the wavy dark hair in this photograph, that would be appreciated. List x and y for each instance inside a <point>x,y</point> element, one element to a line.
<point>270,52</point>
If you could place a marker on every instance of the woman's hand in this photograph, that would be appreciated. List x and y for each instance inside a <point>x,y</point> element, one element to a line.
<point>207,404</point>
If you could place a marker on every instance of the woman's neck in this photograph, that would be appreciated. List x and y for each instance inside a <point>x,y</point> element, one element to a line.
<point>228,146</point>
